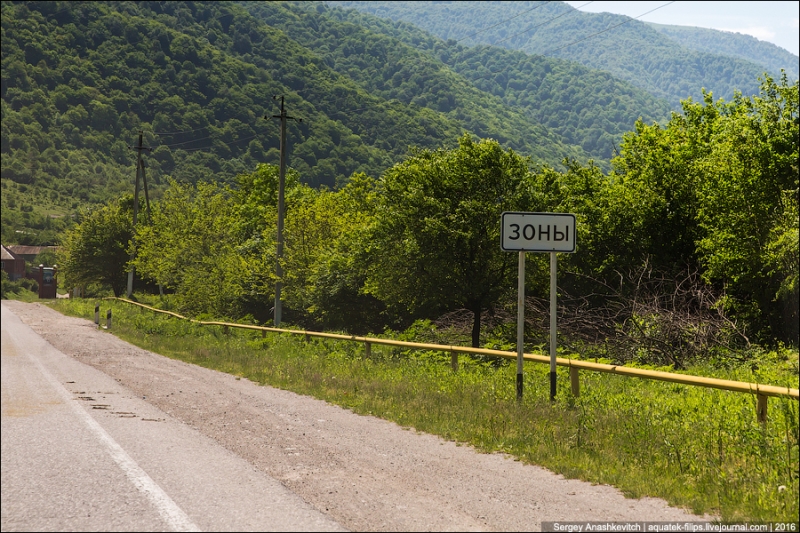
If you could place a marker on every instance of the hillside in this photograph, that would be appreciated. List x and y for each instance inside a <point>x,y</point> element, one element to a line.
<point>586,107</point>
<point>773,58</point>
<point>80,80</point>
<point>628,49</point>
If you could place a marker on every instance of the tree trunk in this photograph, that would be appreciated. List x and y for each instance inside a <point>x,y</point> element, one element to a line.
<point>476,326</point>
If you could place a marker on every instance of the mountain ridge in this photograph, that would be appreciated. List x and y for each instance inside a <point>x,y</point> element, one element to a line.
<point>732,43</point>
<point>627,48</point>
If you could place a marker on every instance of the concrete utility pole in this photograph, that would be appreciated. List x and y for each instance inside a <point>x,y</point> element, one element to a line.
<point>146,196</point>
<point>147,206</point>
<point>139,168</point>
<point>135,208</point>
<point>281,185</point>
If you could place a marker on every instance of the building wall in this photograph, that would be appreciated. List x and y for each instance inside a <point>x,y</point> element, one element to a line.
<point>13,265</point>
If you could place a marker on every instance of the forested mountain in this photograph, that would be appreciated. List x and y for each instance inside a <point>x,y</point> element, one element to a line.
<point>81,79</point>
<point>773,58</point>
<point>628,49</point>
<point>586,107</point>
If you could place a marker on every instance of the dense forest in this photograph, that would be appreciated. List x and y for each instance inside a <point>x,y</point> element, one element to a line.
<point>773,58</point>
<point>659,62</point>
<point>406,144</point>
<point>585,107</point>
<point>81,79</point>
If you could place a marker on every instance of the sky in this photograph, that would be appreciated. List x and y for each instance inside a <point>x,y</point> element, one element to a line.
<point>774,22</point>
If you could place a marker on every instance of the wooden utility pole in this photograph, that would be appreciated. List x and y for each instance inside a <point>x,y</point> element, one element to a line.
<point>281,185</point>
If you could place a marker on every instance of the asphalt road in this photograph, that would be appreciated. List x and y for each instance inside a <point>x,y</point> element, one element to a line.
<point>80,452</point>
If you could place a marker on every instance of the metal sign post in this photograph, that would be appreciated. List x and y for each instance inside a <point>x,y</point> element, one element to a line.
<point>553,325</point>
<point>537,232</point>
<point>520,320</point>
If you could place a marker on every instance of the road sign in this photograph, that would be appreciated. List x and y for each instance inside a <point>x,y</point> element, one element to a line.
<point>537,232</point>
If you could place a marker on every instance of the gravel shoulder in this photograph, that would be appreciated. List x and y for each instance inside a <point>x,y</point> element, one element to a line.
<point>366,473</point>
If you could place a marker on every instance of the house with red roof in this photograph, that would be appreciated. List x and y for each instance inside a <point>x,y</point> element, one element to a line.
<point>12,264</point>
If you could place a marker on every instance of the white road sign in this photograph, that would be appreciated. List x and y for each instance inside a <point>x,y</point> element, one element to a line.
<point>537,232</point>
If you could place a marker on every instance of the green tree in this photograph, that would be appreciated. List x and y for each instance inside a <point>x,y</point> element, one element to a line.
<point>749,199</point>
<point>256,223</point>
<point>191,248</point>
<point>97,249</point>
<point>323,262</point>
<point>716,190</point>
<point>326,261</point>
<point>46,257</point>
<point>655,188</point>
<point>313,221</point>
<point>436,238</point>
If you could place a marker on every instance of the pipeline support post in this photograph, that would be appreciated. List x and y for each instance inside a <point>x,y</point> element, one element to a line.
<point>574,381</point>
<point>761,408</point>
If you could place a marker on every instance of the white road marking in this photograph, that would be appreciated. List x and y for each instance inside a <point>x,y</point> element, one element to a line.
<point>173,515</point>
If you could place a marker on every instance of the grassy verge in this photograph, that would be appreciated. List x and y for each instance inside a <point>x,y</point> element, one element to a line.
<point>17,292</point>
<point>697,448</point>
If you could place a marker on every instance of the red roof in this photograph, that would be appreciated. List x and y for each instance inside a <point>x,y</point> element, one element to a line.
<point>6,255</point>
<point>19,249</point>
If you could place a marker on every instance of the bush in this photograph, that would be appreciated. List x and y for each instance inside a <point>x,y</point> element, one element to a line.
<point>14,287</point>
<point>29,284</point>
<point>4,285</point>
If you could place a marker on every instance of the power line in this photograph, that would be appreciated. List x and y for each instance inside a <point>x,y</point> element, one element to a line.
<point>226,144</point>
<point>607,29</point>
<point>503,21</point>
<point>486,76</point>
<point>543,23</point>
<point>187,142</point>
<point>178,132</point>
<point>343,111</point>
<point>212,136</point>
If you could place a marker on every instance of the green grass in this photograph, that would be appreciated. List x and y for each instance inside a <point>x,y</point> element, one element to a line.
<point>698,448</point>
<point>15,292</point>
